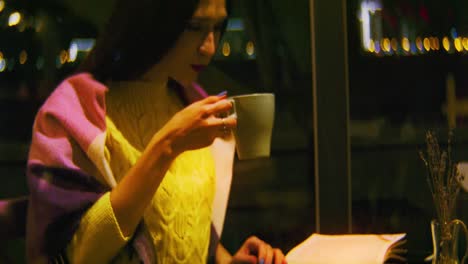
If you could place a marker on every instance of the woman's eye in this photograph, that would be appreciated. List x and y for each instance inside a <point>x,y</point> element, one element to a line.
<point>218,27</point>
<point>200,27</point>
<point>194,26</point>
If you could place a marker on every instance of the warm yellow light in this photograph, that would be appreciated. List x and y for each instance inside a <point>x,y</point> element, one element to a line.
<point>386,45</point>
<point>394,44</point>
<point>2,5</point>
<point>226,49</point>
<point>371,47</point>
<point>446,43</point>
<point>405,44</point>
<point>465,43</point>
<point>436,43</point>
<point>419,44</point>
<point>427,44</point>
<point>250,48</point>
<point>63,56</point>
<point>1,55</point>
<point>3,65</point>
<point>14,19</point>
<point>23,57</point>
<point>458,44</point>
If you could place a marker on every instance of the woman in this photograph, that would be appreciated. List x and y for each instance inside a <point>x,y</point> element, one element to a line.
<point>120,169</point>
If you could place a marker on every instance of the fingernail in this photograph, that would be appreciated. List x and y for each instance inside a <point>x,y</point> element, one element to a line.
<point>222,93</point>
<point>262,261</point>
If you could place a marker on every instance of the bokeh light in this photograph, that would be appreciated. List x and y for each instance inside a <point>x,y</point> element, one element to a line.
<point>458,44</point>
<point>14,19</point>
<point>371,46</point>
<point>465,43</point>
<point>63,56</point>
<point>446,43</point>
<point>405,44</point>
<point>394,44</point>
<point>72,52</point>
<point>23,57</point>
<point>386,45</point>
<point>435,45</point>
<point>377,47</point>
<point>226,49</point>
<point>419,44</point>
<point>427,44</point>
<point>3,65</point>
<point>250,48</point>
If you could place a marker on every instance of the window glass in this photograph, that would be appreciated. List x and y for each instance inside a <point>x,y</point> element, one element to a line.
<point>407,63</point>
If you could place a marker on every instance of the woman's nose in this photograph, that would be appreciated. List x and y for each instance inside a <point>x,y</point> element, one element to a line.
<point>208,47</point>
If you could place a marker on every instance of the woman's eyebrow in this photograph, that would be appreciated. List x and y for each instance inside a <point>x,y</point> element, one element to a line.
<point>208,19</point>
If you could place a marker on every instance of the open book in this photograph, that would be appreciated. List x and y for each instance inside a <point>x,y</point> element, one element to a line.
<point>350,249</point>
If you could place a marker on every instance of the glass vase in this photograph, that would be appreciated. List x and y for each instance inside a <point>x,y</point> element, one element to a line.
<point>445,240</point>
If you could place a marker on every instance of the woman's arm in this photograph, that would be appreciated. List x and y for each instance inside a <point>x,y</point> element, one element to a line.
<point>133,194</point>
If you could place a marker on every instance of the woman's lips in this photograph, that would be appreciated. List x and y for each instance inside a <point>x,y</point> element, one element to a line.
<point>198,67</point>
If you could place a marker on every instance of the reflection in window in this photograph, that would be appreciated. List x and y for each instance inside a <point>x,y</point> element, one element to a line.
<point>410,23</point>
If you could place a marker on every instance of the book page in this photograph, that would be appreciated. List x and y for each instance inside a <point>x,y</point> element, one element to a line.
<point>350,249</point>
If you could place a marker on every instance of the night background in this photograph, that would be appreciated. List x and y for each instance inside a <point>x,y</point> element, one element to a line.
<point>405,61</point>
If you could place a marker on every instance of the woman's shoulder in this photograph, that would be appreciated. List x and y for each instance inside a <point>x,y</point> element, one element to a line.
<point>76,106</point>
<point>79,93</point>
<point>81,87</point>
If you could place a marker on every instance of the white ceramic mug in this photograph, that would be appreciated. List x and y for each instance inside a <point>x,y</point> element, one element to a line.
<point>255,117</point>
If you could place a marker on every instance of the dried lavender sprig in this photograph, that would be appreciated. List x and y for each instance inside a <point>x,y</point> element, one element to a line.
<point>443,176</point>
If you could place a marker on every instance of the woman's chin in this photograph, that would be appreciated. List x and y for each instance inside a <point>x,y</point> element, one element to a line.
<point>184,82</point>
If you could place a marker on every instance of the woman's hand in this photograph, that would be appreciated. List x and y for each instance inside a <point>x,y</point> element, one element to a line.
<point>254,251</point>
<point>197,125</point>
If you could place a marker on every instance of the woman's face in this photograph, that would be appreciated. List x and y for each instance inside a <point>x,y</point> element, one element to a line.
<point>196,46</point>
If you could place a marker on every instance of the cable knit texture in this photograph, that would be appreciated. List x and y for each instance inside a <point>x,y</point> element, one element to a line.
<point>179,217</point>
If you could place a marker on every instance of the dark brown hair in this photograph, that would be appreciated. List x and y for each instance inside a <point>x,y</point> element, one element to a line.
<point>138,34</point>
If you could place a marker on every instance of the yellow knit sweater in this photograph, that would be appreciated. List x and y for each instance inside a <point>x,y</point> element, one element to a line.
<point>178,219</point>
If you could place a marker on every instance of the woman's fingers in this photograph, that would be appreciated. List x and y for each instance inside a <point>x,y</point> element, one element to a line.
<point>257,247</point>
<point>221,123</point>
<point>229,122</point>
<point>215,105</point>
<point>265,253</point>
<point>244,259</point>
<point>279,256</point>
<point>225,126</point>
<point>220,108</point>
<point>261,251</point>
<point>268,254</point>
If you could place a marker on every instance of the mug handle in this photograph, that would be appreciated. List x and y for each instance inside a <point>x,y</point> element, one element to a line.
<point>233,111</point>
<point>465,229</point>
